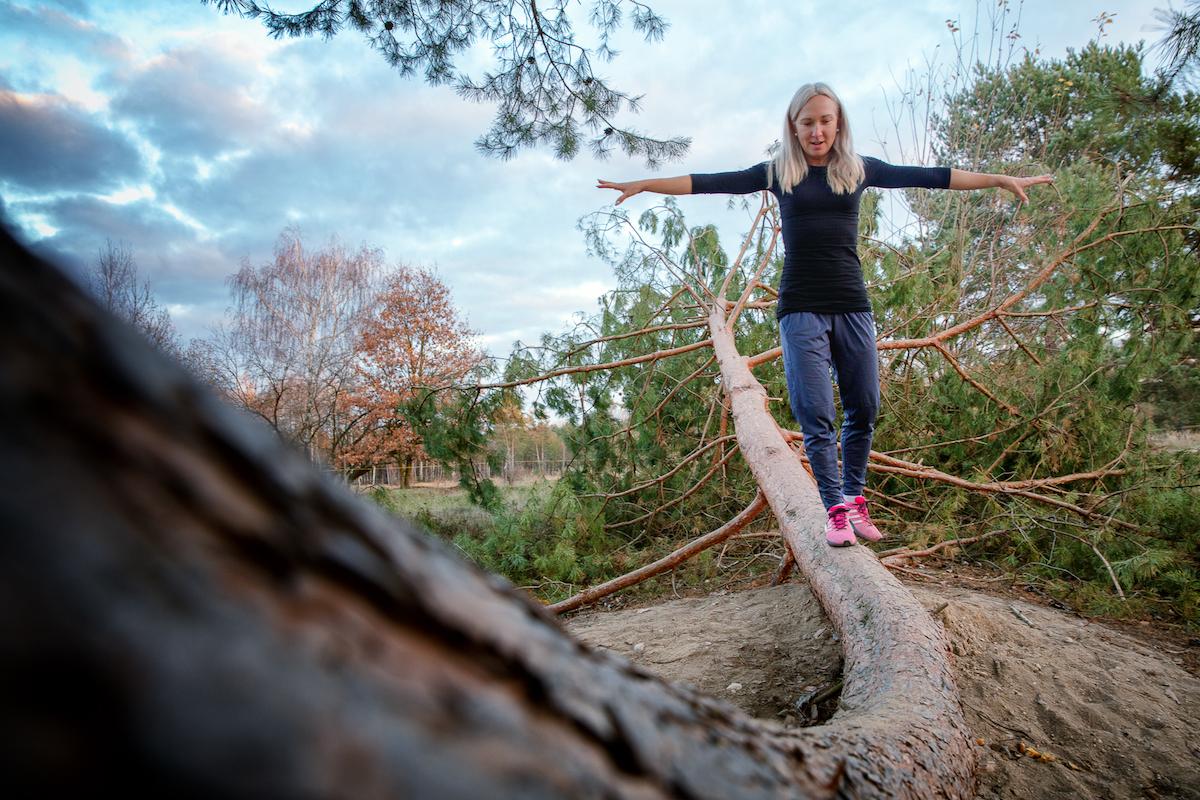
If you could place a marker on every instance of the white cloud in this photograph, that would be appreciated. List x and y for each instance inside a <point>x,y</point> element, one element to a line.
<point>239,135</point>
<point>129,194</point>
<point>40,226</point>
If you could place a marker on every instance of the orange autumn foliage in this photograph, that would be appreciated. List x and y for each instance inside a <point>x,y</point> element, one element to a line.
<point>413,341</point>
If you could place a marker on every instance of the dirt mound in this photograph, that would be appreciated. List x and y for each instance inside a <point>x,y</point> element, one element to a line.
<point>1115,716</point>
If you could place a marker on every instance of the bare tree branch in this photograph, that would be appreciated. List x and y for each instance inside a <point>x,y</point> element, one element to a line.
<point>625,362</point>
<point>667,562</point>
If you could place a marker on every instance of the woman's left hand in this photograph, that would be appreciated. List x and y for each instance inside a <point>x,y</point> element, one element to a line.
<point>1018,185</point>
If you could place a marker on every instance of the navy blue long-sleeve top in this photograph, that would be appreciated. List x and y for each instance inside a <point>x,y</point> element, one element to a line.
<point>821,270</point>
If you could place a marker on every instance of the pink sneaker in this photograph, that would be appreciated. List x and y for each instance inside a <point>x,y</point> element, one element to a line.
<point>837,527</point>
<point>860,520</point>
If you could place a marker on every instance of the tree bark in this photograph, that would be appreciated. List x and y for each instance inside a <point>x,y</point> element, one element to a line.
<point>406,465</point>
<point>189,607</point>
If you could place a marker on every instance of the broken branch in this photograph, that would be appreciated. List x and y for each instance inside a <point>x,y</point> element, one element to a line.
<point>665,563</point>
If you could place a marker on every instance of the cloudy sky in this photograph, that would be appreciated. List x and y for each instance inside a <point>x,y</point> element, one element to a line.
<point>194,139</point>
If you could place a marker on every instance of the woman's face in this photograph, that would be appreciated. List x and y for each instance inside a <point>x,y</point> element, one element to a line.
<point>816,126</point>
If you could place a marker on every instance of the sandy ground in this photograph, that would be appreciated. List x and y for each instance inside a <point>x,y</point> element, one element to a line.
<point>1117,713</point>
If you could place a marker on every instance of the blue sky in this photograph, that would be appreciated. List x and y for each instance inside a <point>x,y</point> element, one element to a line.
<point>194,139</point>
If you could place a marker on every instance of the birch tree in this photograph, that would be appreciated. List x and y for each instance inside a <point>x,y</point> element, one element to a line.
<point>288,353</point>
<point>115,281</point>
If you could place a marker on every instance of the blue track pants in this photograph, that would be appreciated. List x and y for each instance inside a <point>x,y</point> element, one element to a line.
<point>818,349</point>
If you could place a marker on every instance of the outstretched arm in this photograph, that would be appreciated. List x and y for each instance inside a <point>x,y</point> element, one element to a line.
<point>961,179</point>
<point>681,184</point>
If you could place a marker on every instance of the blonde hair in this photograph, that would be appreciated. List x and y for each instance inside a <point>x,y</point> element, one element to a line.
<point>789,166</point>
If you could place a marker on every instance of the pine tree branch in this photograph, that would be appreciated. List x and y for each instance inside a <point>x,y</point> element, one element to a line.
<point>542,81</point>
<point>679,326</point>
<point>666,563</point>
<point>882,463</point>
<point>762,266</point>
<point>750,236</point>
<point>697,486</point>
<point>689,458</point>
<point>625,362</point>
<point>889,557</point>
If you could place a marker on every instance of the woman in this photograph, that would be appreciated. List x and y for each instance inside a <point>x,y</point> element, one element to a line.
<point>825,318</point>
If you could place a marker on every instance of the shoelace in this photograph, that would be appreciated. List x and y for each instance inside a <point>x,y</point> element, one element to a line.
<point>839,519</point>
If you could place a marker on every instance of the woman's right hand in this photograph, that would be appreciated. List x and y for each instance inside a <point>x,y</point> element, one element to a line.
<point>627,189</point>
<point>1018,185</point>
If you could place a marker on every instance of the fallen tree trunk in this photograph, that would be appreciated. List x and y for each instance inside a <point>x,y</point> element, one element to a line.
<point>900,723</point>
<point>189,607</point>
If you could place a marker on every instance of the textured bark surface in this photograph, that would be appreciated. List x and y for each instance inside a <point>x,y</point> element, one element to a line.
<point>186,606</point>
<point>899,727</point>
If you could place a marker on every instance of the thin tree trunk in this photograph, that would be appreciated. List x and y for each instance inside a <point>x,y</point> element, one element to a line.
<point>406,465</point>
<point>188,607</point>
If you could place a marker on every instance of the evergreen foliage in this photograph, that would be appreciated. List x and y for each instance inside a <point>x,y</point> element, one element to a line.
<point>1079,318</point>
<point>1181,45</point>
<point>1048,388</point>
<point>544,82</point>
<point>1124,154</point>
